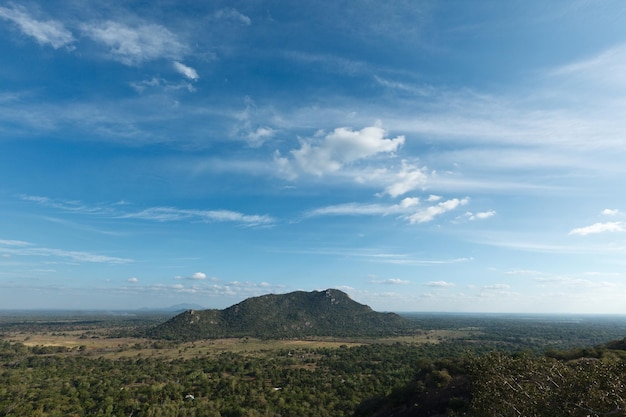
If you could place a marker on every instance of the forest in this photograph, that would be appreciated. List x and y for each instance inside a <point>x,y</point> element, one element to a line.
<point>453,365</point>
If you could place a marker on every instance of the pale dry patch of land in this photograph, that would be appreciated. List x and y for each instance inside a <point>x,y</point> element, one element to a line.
<point>98,343</point>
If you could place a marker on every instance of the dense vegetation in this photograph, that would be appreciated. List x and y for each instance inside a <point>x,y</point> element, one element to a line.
<point>468,366</point>
<point>319,382</point>
<point>297,314</point>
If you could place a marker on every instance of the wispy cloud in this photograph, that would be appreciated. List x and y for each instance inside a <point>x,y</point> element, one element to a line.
<point>599,228</point>
<point>391,281</point>
<point>253,125</point>
<point>169,214</point>
<point>20,243</point>
<point>232,15</point>
<point>573,282</point>
<point>160,214</point>
<point>408,208</point>
<point>440,284</point>
<point>330,63</point>
<point>381,256</point>
<point>20,248</point>
<point>45,32</point>
<point>155,83</point>
<point>496,287</point>
<point>134,45</point>
<point>396,281</point>
<point>531,243</point>
<point>75,206</point>
<point>431,212</point>
<point>603,68</point>
<point>360,209</point>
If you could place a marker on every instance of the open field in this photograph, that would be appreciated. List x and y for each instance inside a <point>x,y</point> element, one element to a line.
<point>99,343</point>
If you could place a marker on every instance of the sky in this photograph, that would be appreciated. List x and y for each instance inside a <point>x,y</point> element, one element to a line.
<point>422,155</point>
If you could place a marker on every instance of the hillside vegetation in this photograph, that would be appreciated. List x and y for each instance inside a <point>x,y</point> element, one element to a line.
<point>293,315</point>
<point>486,366</point>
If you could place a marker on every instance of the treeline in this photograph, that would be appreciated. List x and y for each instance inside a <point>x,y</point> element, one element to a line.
<point>527,332</point>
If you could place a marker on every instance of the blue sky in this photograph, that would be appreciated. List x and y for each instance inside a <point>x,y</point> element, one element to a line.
<point>419,155</point>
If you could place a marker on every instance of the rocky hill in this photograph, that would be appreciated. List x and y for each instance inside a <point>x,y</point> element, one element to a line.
<point>292,315</point>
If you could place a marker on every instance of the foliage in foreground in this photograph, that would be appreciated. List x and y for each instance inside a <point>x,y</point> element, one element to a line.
<point>506,385</point>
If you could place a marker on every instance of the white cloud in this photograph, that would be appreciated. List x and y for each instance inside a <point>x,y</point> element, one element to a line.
<point>481,215</point>
<point>233,14</point>
<point>50,32</point>
<point>610,212</point>
<point>186,71</point>
<point>429,213</point>
<point>135,45</point>
<point>198,276</point>
<point>441,284</point>
<point>407,179</point>
<point>599,228</point>
<point>342,146</point>
<point>133,280</point>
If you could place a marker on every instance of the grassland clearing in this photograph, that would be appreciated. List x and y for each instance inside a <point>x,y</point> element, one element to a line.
<point>98,342</point>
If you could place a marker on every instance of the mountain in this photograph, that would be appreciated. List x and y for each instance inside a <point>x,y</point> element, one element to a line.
<point>292,315</point>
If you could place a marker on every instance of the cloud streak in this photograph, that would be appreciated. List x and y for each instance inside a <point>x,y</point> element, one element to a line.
<point>431,212</point>
<point>134,45</point>
<point>440,284</point>
<point>48,32</point>
<point>169,214</point>
<point>233,15</point>
<point>408,208</point>
<point>28,249</point>
<point>159,214</point>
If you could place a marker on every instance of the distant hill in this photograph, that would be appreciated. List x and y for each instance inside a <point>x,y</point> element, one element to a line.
<point>172,309</point>
<point>296,314</point>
